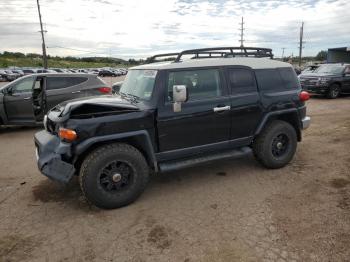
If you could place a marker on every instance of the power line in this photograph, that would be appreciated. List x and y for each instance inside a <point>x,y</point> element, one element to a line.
<point>42,36</point>
<point>283,48</point>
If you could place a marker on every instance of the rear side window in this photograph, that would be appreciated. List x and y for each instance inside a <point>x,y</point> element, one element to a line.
<point>289,78</point>
<point>269,79</point>
<point>279,78</point>
<point>63,82</point>
<point>241,81</point>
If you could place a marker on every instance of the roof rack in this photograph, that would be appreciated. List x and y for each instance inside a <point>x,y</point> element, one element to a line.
<point>153,58</point>
<point>216,52</point>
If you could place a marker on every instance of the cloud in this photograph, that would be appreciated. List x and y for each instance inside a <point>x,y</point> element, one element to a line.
<point>141,28</point>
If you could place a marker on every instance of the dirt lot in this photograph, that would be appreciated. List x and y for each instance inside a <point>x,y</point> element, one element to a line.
<point>225,211</point>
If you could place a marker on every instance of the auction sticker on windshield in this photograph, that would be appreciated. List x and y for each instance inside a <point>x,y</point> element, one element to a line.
<point>150,73</point>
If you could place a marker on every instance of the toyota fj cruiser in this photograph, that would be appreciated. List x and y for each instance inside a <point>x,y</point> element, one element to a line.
<point>221,103</point>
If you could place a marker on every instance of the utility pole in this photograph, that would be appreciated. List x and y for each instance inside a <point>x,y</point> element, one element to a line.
<point>301,42</point>
<point>283,48</point>
<point>42,36</point>
<point>242,30</point>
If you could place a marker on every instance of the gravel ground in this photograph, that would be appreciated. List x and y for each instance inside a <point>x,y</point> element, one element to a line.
<point>232,210</point>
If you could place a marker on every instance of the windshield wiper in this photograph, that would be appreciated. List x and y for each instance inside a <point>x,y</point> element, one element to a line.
<point>136,98</point>
<point>133,98</point>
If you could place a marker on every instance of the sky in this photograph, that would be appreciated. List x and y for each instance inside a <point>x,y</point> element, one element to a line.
<point>141,28</point>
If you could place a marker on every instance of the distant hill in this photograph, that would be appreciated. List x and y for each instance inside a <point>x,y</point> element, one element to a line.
<point>17,59</point>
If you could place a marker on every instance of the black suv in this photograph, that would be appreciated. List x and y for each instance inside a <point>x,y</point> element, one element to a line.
<point>329,79</point>
<point>172,115</point>
<point>105,72</point>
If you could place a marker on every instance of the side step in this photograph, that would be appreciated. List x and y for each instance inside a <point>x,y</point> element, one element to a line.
<point>179,164</point>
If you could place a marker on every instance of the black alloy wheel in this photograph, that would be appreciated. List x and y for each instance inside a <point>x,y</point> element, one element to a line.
<point>116,176</point>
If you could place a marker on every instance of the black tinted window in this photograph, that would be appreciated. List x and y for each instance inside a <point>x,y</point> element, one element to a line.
<point>289,78</point>
<point>201,84</point>
<point>241,81</point>
<point>268,79</point>
<point>63,82</point>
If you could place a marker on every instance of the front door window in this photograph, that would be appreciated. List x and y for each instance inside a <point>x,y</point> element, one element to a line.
<point>23,86</point>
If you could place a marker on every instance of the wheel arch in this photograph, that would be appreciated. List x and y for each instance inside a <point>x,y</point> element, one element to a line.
<point>290,116</point>
<point>337,83</point>
<point>138,139</point>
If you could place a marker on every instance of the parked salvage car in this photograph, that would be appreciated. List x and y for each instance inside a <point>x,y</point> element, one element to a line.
<point>174,115</point>
<point>105,72</point>
<point>39,71</point>
<point>7,75</point>
<point>29,71</point>
<point>12,72</point>
<point>19,72</point>
<point>329,80</point>
<point>26,100</point>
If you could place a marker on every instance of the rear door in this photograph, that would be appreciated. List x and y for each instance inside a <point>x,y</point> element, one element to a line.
<point>62,88</point>
<point>204,119</point>
<point>246,109</point>
<point>19,101</point>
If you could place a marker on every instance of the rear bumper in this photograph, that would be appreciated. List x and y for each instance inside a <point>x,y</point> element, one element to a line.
<point>306,121</point>
<point>51,152</point>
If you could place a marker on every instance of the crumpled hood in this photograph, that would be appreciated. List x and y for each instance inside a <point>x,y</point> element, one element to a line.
<point>93,105</point>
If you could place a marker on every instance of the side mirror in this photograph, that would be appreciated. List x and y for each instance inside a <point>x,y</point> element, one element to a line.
<point>116,87</point>
<point>180,95</point>
<point>8,91</point>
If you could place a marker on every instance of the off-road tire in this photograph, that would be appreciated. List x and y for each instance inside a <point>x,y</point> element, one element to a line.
<point>334,91</point>
<point>263,144</point>
<point>95,162</point>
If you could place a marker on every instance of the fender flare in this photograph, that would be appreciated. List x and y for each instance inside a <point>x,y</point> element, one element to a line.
<point>269,115</point>
<point>143,134</point>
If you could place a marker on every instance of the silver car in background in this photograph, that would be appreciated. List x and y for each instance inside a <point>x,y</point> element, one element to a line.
<point>26,100</point>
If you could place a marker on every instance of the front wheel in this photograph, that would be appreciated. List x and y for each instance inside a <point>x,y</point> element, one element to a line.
<point>334,91</point>
<point>276,145</point>
<point>113,176</point>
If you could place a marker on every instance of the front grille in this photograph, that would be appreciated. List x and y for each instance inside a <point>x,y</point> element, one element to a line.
<point>312,81</point>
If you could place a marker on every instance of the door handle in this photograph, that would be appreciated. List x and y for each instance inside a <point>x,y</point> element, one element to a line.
<point>27,98</point>
<point>221,108</point>
<point>75,92</point>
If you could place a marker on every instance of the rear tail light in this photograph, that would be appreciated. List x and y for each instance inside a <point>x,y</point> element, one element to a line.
<point>304,96</point>
<point>105,90</point>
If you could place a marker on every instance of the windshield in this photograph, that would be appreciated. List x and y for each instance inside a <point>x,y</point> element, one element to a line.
<point>139,84</point>
<point>330,69</point>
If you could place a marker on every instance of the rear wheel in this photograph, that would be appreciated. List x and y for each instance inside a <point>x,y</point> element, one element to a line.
<point>334,91</point>
<point>113,176</point>
<point>276,145</point>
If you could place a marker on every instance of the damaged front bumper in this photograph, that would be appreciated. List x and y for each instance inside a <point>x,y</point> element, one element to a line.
<point>51,154</point>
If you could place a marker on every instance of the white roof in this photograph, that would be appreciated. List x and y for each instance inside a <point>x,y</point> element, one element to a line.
<point>252,62</point>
